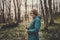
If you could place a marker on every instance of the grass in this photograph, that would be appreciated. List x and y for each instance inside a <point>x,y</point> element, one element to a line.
<point>54,31</point>
<point>16,33</point>
<point>19,30</point>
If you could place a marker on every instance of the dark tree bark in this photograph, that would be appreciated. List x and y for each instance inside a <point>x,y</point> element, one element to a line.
<point>9,15</point>
<point>53,6</point>
<point>51,14</point>
<point>3,18</point>
<point>26,10</point>
<point>32,4</point>
<point>1,11</point>
<point>15,10</point>
<point>19,11</point>
<point>46,14</point>
<point>42,10</point>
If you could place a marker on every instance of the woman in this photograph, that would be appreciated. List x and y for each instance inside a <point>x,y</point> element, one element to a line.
<point>34,26</point>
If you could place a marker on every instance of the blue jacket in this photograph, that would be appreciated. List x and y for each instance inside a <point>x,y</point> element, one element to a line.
<point>34,28</point>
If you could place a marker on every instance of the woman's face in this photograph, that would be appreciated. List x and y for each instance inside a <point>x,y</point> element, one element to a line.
<point>32,15</point>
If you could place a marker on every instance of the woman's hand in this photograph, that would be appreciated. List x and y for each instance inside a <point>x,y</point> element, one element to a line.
<point>26,30</point>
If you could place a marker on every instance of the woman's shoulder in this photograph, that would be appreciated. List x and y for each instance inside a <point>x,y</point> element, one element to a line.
<point>38,18</point>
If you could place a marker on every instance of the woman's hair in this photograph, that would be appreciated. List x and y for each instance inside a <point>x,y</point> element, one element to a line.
<point>35,12</point>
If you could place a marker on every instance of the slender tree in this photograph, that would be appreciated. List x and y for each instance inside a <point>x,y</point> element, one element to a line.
<point>46,14</point>
<point>42,10</point>
<point>32,4</point>
<point>7,8</point>
<point>19,11</point>
<point>0,12</point>
<point>26,10</point>
<point>51,14</point>
<point>3,19</point>
<point>53,6</point>
<point>15,10</point>
<point>9,15</point>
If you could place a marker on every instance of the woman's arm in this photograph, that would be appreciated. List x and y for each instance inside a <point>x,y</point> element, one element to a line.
<point>37,26</point>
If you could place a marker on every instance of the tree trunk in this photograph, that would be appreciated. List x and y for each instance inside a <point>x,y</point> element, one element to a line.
<point>19,12</point>
<point>3,19</point>
<point>46,13</point>
<point>32,4</point>
<point>51,14</point>
<point>15,10</point>
<point>42,10</point>
<point>9,15</point>
<point>26,10</point>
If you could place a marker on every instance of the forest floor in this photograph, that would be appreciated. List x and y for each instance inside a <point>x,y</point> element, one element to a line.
<point>53,32</point>
<point>18,33</point>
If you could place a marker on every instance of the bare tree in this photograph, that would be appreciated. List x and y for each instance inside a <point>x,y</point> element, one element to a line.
<point>46,14</point>
<point>53,7</point>
<point>42,10</point>
<point>0,11</point>
<point>3,19</point>
<point>32,4</point>
<point>15,10</point>
<point>19,11</point>
<point>51,14</point>
<point>26,10</point>
<point>7,8</point>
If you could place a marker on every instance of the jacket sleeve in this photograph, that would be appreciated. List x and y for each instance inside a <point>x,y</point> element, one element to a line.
<point>37,27</point>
